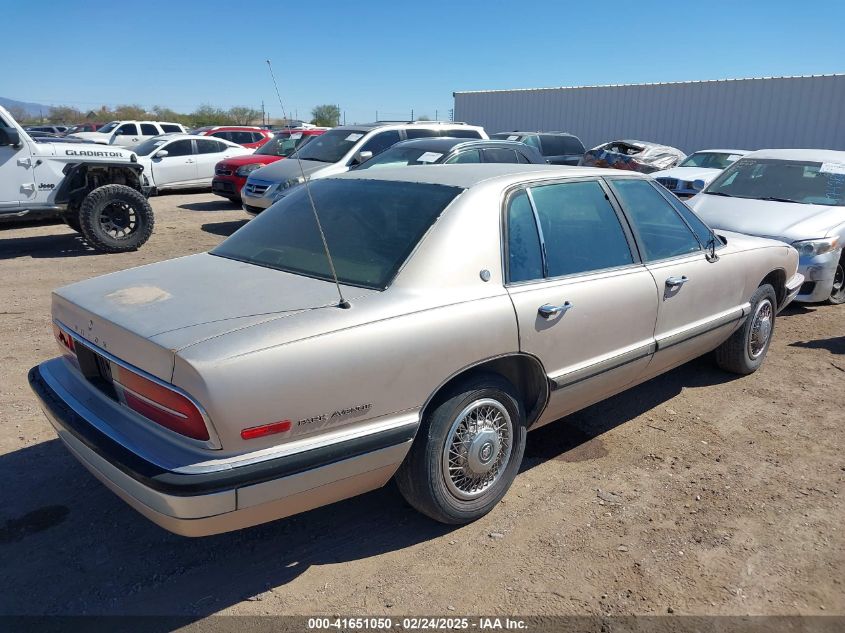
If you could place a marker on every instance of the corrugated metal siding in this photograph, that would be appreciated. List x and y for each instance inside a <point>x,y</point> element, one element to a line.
<point>734,113</point>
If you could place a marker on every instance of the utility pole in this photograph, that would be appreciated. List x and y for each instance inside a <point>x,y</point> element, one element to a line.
<point>412,114</point>
<point>376,115</point>
<point>263,114</point>
<point>436,114</point>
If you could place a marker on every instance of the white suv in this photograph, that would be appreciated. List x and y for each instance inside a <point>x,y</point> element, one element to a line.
<point>337,151</point>
<point>130,133</point>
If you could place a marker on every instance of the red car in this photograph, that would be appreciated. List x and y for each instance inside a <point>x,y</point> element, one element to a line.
<point>248,136</point>
<point>230,175</point>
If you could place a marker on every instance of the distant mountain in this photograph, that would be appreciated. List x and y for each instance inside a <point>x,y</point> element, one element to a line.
<point>33,109</point>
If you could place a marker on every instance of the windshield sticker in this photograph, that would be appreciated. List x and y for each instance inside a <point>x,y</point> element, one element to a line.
<point>734,157</point>
<point>353,137</point>
<point>513,137</point>
<point>429,157</point>
<point>832,168</point>
<point>296,135</point>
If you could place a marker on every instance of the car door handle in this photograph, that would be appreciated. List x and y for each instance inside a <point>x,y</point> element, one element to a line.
<point>547,311</point>
<point>190,160</point>
<point>677,281</point>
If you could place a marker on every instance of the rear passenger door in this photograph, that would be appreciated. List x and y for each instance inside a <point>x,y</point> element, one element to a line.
<point>700,300</point>
<point>585,304</point>
<point>209,153</point>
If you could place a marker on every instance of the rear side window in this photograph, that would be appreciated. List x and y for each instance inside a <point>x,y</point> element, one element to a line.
<point>469,156</point>
<point>525,261</point>
<point>499,155</point>
<point>581,230</point>
<point>148,129</point>
<point>460,133</point>
<point>522,158</point>
<point>559,144</point>
<point>421,133</point>
<point>257,137</point>
<point>170,128</point>
<point>207,146</point>
<point>660,230</point>
<point>381,142</point>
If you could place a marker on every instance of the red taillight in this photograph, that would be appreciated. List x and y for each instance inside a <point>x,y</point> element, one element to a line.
<point>64,340</point>
<point>266,429</point>
<point>164,406</point>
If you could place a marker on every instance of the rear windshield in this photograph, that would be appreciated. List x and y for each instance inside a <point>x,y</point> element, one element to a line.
<point>710,160</point>
<point>371,227</point>
<point>331,146</point>
<point>402,156</point>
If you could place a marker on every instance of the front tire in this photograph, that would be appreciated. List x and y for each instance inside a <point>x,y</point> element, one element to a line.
<point>837,292</point>
<point>116,219</point>
<point>744,351</point>
<point>467,452</point>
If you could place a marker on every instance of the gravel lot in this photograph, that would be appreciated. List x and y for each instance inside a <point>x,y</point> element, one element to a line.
<point>697,492</point>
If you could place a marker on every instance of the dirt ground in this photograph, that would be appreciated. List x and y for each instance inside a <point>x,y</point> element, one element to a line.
<point>697,492</point>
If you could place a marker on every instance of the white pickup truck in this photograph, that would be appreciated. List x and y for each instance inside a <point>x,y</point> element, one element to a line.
<point>99,191</point>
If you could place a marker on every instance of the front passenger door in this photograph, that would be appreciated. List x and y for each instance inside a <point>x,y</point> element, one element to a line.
<point>585,305</point>
<point>178,168</point>
<point>700,300</point>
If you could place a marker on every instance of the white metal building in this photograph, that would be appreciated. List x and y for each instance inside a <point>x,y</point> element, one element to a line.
<point>767,112</point>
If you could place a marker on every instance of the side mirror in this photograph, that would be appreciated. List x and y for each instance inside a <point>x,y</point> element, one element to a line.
<point>362,157</point>
<point>698,185</point>
<point>162,153</point>
<point>9,136</point>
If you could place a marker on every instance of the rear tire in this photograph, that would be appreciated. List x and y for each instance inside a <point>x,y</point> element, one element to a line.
<point>744,351</point>
<point>116,219</point>
<point>467,451</point>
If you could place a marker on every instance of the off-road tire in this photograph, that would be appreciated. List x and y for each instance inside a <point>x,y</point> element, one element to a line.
<point>421,478</point>
<point>99,202</point>
<point>72,220</point>
<point>734,355</point>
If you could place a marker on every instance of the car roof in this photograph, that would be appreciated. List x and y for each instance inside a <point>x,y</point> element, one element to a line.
<point>469,175</point>
<point>528,132</point>
<point>721,151</point>
<point>178,136</point>
<point>812,155</point>
<point>448,143</point>
<point>361,127</point>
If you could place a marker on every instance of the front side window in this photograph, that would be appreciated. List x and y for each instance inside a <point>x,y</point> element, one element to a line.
<point>421,133</point>
<point>499,155</point>
<point>381,142</point>
<point>468,156</point>
<point>127,129</point>
<point>660,230</point>
<point>560,144</point>
<point>581,231</point>
<point>703,232</point>
<point>525,260</point>
<point>178,148</point>
<point>804,182</point>
<point>148,129</point>
<point>371,227</point>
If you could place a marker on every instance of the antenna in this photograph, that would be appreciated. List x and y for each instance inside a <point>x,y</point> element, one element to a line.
<point>343,303</point>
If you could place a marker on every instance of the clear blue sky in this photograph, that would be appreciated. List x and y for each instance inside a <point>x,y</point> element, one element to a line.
<point>391,56</point>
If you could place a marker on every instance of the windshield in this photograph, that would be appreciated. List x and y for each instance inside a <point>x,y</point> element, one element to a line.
<point>371,227</point>
<point>805,182</point>
<point>506,136</point>
<point>403,156</point>
<point>331,146</point>
<point>710,160</point>
<point>108,127</point>
<point>149,146</point>
<point>284,144</point>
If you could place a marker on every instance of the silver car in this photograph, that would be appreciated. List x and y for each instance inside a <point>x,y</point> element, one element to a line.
<point>793,195</point>
<point>229,388</point>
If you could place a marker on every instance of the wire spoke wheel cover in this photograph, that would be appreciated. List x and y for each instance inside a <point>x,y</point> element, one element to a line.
<point>477,448</point>
<point>761,328</point>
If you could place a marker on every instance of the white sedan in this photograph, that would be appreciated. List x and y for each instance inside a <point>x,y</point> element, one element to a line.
<point>697,170</point>
<point>183,161</point>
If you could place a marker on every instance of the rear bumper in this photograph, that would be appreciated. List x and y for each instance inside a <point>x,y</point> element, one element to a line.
<point>227,498</point>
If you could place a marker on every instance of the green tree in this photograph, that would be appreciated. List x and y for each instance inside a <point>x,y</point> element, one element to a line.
<point>242,115</point>
<point>130,112</point>
<point>209,115</point>
<point>326,115</point>
<point>65,114</point>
